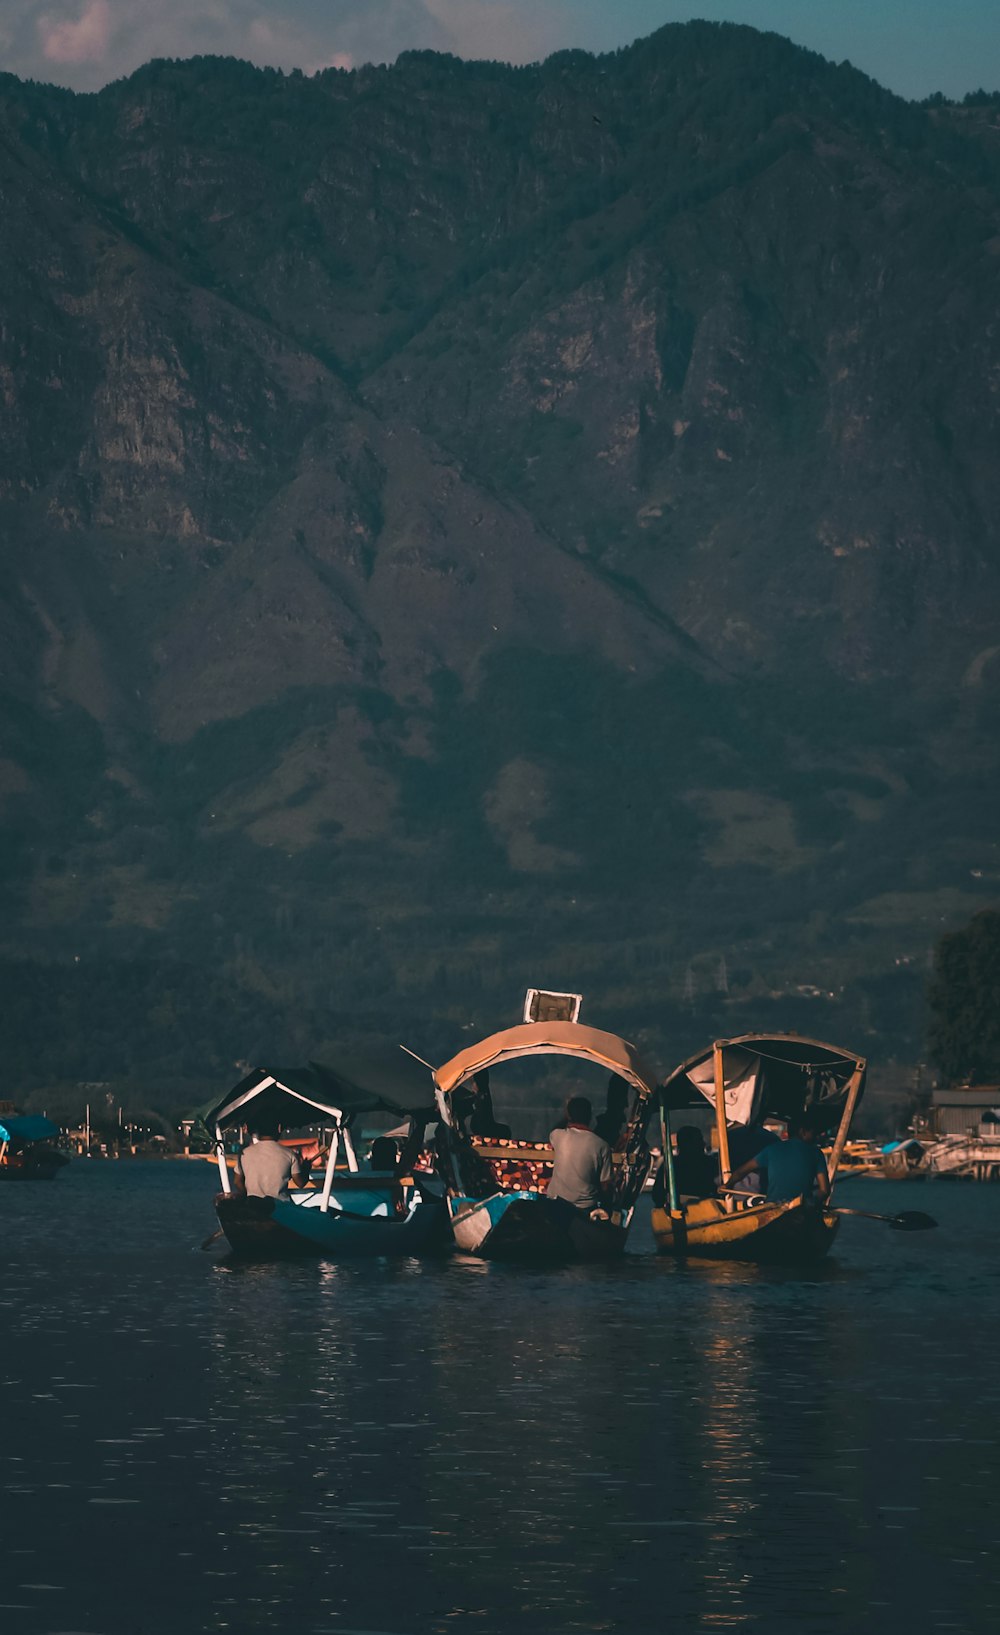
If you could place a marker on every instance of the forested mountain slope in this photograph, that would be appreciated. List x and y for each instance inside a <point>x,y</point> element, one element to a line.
<point>466,526</point>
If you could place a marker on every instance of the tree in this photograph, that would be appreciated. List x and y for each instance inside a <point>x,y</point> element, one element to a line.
<point>964,998</point>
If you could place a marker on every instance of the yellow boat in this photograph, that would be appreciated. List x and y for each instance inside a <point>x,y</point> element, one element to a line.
<point>747,1080</point>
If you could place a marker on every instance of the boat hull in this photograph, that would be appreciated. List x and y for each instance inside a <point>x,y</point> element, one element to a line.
<point>40,1169</point>
<point>526,1226</point>
<point>279,1228</point>
<point>789,1233</point>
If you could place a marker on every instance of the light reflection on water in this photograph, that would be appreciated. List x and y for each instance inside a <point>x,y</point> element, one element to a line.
<point>194,1445</point>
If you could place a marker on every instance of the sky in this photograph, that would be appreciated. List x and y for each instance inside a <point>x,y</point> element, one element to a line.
<point>912,46</point>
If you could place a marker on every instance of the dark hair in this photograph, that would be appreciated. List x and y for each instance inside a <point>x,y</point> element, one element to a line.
<point>265,1129</point>
<point>690,1139</point>
<point>579,1110</point>
<point>384,1152</point>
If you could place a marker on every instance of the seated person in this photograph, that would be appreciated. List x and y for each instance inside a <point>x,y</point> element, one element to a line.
<point>746,1141</point>
<point>611,1122</point>
<point>581,1167</point>
<point>264,1167</point>
<point>483,1122</point>
<point>695,1168</point>
<point>793,1168</point>
<point>413,1146</point>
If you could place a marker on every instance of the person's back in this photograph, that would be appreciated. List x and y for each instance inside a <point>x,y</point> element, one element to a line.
<point>793,1168</point>
<point>484,1122</point>
<point>581,1166</point>
<point>383,1157</point>
<point>695,1171</point>
<point>267,1167</point>
<point>745,1142</point>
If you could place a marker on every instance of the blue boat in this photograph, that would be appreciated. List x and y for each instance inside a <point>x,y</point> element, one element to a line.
<point>496,1185</point>
<point>26,1150</point>
<point>350,1212</point>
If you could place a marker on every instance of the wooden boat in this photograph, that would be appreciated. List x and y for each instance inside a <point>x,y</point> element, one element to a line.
<point>496,1187</point>
<point>747,1080</point>
<point>351,1212</point>
<point>26,1150</point>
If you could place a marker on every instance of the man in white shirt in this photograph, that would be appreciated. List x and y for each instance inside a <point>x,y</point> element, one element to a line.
<point>581,1167</point>
<point>265,1167</point>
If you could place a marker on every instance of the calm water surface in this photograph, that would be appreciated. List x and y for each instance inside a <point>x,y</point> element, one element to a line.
<point>413,1448</point>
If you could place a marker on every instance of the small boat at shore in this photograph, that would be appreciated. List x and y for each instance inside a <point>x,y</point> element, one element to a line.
<point>496,1186</point>
<point>26,1149</point>
<point>349,1212</point>
<point>747,1080</point>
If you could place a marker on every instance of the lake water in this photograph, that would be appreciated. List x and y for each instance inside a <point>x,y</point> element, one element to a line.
<point>420,1448</point>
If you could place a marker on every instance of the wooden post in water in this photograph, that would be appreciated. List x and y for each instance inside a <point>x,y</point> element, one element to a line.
<point>720,1119</point>
<point>853,1092</point>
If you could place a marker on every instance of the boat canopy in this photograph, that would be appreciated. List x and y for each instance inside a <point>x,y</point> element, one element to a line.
<point>390,1083</point>
<point>768,1075</point>
<point>27,1127</point>
<point>548,1039</point>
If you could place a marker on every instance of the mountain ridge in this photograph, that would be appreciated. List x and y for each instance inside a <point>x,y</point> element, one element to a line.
<point>521,516</point>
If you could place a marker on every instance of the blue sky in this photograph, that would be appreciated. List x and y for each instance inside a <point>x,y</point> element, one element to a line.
<point>912,46</point>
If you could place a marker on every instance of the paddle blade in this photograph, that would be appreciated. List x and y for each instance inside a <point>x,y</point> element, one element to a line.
<point>912,1220</point>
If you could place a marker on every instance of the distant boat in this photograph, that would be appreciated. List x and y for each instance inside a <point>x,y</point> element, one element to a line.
<point>496,1185</point>
<point>351,1212</point>
<point>26,1150</point>
<point>747,1080</point>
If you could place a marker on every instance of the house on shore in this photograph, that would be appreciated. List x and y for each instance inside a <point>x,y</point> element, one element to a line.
<point>964,1109</point>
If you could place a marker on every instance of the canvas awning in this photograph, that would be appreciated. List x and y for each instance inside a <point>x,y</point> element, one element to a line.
<point>548,1039</point>
<point>767,1076</point>
<point>27,1127</point>
<point>387,1083</point>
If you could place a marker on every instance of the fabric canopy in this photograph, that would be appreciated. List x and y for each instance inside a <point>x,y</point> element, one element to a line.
<point>743,1080</point>
<point>548,1039</point>
<point>390,1083</point>
<point>27,1127</point>
<point>767,1076</point>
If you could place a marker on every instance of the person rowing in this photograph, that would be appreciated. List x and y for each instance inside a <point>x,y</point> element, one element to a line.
<point>793,1168</point>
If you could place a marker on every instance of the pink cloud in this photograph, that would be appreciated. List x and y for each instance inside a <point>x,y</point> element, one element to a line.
<point>85,40</point>
<point>340,59</point>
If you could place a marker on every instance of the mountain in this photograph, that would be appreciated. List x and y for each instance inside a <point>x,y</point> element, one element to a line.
<point>468,526</point>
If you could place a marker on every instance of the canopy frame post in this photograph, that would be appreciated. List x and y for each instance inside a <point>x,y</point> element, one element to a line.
<point>853,1092</point>
<point>220,1153</point>
<point>331,1161</point>
<point>667,1143</point>
<point>348,1139</point>
<point>725,1168</point>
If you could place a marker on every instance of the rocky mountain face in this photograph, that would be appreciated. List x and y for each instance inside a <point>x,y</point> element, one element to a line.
<point>469,526</point>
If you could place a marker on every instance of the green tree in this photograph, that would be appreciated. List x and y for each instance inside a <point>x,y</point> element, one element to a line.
<point>964,998</point>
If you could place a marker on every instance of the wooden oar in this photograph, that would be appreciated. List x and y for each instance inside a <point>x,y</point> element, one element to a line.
<point>908,1220</point>
<point>212,1237</point>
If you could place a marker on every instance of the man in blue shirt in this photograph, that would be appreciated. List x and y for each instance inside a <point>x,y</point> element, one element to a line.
<point>793,1168</point>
